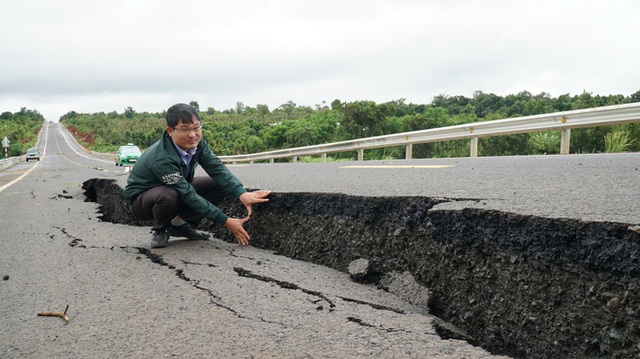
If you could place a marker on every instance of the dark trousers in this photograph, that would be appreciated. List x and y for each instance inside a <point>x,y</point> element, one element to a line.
<point>161,204</point>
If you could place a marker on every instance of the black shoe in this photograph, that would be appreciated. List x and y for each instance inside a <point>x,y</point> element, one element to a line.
<point>185,230</point>
<point>160,238</point>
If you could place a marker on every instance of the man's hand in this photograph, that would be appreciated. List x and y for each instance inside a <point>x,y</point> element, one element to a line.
<point>235,226</point>
<point>251,198</point>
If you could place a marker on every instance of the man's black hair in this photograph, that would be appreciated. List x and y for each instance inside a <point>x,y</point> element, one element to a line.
<point>181,111</point>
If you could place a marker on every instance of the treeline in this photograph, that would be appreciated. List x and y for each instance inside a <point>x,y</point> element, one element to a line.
<point>246,129</point>
<point>21,129</point>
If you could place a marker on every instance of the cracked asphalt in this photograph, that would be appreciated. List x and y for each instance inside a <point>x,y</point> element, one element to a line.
<point>193,299</point>
<point>196,299</point>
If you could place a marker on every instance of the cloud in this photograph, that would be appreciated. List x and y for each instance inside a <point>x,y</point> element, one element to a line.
<point>90,56</point>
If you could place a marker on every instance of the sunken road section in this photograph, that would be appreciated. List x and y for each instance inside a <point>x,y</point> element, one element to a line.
<point>523,286</point>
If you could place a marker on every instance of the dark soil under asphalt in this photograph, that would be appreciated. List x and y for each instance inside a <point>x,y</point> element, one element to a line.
<point>523,286</point>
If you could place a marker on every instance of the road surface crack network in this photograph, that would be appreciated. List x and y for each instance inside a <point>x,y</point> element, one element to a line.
<point>286,285</point>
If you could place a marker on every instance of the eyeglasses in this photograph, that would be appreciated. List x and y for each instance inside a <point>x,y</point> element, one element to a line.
<point>185,130</point>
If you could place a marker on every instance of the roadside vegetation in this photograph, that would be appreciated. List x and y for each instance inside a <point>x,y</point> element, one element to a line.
<point>21,129</point>
<point>244,129</point>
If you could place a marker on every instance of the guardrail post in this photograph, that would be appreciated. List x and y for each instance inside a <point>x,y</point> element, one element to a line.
<point>324,157</point>
<point>361,154</point>
<point>295,159</point>
<point>565,139</point>
<point>408,152</point>
<point>473,152</point>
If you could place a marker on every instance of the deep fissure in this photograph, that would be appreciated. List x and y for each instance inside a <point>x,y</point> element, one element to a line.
<point>524,286</point>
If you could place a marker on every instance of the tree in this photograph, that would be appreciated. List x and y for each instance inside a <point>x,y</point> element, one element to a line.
<point>240,107</point>
<point>263,110</point>
<point>455,105</point>
<point>585,100</point>
<point>431,118</point>
<point>129,112</point>
<point>562,103</point>
<point>363,119</point>
<point>195,105</point>
<point>254,144</point>
<point>336,104</point>
<point>486,103</point>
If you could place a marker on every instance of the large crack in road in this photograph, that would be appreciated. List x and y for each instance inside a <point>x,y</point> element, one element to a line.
<point>524,286</point>
<point>319,300</point>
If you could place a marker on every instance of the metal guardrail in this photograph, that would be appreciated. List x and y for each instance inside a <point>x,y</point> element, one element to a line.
<point>563,121</point>
<point>8,162</point>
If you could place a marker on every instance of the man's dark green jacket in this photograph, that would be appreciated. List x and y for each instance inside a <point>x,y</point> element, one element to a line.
<point>161,165</point>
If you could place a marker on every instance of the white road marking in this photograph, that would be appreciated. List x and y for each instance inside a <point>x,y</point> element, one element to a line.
<point>397,166</point>
<point>32,167</point>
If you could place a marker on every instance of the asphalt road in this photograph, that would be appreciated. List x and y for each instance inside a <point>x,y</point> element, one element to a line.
<point>215,299</point>
<point>206,299</point>
<point>593,187</point>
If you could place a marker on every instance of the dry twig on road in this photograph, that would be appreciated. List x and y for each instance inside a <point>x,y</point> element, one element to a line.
<point>56,314</point>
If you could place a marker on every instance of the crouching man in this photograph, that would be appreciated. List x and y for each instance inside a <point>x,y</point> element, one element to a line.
<point>162,186</point>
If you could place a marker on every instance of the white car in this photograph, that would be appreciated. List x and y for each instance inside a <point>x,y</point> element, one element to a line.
<point>32,154</point>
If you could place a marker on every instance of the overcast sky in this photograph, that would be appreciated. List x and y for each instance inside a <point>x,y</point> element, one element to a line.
<point>104,56</point>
